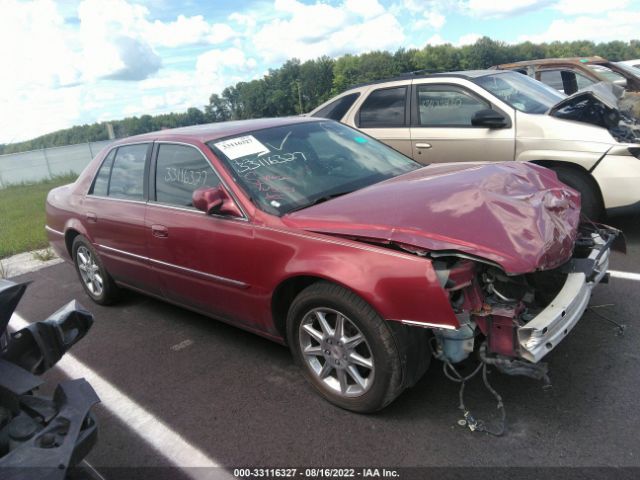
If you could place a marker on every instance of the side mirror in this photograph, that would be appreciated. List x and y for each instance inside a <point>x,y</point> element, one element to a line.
<point>215,200</point>
<point>488,118</point>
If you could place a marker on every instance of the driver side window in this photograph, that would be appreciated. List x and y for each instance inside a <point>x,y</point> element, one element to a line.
<point>180,170</point>
<point>447,106</point>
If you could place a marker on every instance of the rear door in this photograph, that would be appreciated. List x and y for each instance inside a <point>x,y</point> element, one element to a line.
<point>441,129</point>
<point>384,114</point>
<point>115,211</point>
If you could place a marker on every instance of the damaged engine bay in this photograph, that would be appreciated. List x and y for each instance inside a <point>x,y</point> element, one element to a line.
<point>606,105</point>
<point>510,322</point>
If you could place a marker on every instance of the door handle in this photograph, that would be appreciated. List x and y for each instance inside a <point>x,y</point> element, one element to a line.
<point>159,231</point>
<point>91,217</point>
<point>423,145</point>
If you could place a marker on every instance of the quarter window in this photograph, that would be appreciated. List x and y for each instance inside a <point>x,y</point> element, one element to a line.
<point>127,174</point>
<point>337,109</point>
<point>101,183</point>
<point>447,105</point>
<point>384,108</point>
<point>181,170</point>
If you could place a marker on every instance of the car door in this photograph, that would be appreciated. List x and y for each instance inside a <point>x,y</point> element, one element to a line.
<point>202,261</point>
<point>114,211</point>
<point>441,128</point>
<point>384,114</point>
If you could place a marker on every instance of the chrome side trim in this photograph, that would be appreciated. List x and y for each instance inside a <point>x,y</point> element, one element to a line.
<point>122,252</point>
<point>115,199</point>
<point>228,281</point>
<point>152,203</point>
<point>53,230</point>
<point>210,276</point>
<point>413,323</point>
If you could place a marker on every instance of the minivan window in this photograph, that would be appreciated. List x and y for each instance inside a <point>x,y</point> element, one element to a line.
<point>447,105</point>
<point>179,171</point>
<point>101,182</point>
<point>337,109</point>
<point>384,108</point>
<point>127,174</point>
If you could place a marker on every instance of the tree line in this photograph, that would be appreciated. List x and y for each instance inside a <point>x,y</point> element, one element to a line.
<point>297,87</point>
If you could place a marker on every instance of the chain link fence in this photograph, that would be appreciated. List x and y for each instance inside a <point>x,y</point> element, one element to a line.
<point>46,163</point>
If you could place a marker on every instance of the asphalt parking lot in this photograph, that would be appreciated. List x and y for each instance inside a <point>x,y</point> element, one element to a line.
<point>239,399</point>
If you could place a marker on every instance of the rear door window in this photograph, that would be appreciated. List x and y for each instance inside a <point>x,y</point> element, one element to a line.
<point>101,183</point>
<point>338,108</point>
<point>447,106</point>
<point>127,174</point>
<point>180,170</point>
<point>384,108</point>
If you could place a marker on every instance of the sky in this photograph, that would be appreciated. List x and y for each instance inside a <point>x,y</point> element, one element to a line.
<point>73,62</point>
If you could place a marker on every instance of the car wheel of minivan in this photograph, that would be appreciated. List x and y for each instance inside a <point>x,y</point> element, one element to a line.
<point>592,206</point>
<point>95,279</point>
<point>345,349</point>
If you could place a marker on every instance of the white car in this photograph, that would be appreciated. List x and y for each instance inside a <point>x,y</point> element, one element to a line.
<point>494,115</point>
<point>632,63</point>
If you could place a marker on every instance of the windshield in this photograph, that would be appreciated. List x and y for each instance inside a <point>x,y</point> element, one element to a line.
<point>520,91</point>
<point>295,166</point>
<point>631,70</point>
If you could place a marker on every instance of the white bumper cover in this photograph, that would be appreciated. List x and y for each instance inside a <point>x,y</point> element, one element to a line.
<point>547,329</point>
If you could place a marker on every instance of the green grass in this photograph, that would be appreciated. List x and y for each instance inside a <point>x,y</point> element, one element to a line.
<point>22,215</point>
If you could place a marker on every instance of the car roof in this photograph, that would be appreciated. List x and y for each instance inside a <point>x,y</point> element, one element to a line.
<point>467,74</point>
<point>555,61</point>
<point>214,131</point>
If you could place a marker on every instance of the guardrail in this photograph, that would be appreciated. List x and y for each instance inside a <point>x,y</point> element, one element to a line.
<point>36,165</point>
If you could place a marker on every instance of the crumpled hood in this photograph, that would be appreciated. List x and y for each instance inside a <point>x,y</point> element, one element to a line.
<point>517,215</point>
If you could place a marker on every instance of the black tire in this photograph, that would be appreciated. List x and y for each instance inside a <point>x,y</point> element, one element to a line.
<point>592,206</point>
<point>109,293</point>
<point>387,382</point>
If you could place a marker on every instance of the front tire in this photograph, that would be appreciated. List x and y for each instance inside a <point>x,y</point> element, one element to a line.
<point>346,351</point>
<point>95,280</point>
<point>591,203</point>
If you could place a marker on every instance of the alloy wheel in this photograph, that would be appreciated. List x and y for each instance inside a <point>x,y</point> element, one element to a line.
<point>89,271</point>
<point>336,352</point>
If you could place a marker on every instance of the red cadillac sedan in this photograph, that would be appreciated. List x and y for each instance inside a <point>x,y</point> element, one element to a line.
<point>310,233</point>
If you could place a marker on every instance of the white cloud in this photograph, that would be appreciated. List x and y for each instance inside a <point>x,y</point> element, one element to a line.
<point>436,40</point>
<point>502,8</point>
<point>186,31</point>
<point>433,20</point>
<point>308,31</point>
<point>468,39</point>
<point>620,25</point>
<point>364,8</point>
<point>586,7</point>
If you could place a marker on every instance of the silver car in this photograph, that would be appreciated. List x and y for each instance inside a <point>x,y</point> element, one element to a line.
<point>490,115</point>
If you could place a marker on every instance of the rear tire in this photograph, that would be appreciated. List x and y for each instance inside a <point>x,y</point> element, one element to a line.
<point>95,280</point>
<point>346,351</point>
<point>592,206</point>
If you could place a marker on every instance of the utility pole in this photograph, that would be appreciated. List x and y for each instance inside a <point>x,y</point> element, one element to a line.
<point>299,97</point>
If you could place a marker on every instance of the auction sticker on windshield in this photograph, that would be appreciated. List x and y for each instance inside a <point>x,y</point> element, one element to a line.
<point>241,147</point>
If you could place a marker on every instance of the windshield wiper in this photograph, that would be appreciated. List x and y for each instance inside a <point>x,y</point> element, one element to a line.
<point>318,200</point>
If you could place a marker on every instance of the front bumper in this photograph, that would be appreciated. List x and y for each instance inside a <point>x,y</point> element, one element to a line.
<point>547,329</point>
<point>618,177</point>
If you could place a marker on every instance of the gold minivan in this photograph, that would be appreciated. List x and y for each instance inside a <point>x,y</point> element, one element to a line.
<point>489,115</point>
